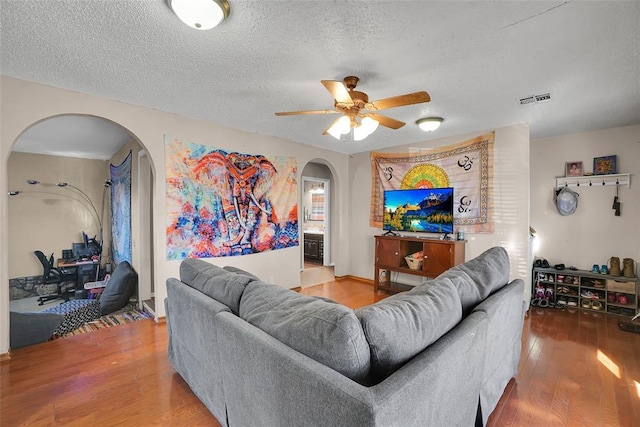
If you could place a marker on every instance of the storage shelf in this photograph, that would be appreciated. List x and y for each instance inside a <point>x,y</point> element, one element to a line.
<point>630,286</point>
<point>594,180</point>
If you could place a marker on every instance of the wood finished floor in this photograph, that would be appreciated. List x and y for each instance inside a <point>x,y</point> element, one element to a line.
<point>121,375</point>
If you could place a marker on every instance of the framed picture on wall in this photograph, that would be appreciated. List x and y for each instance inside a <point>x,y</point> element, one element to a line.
<point>573,169</point>
<point>605,165</point>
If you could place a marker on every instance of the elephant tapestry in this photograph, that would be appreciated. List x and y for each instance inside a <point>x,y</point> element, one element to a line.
<point>223,203</point>
<point>467,167</point>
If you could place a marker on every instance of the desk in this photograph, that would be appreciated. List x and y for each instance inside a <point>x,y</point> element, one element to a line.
<point>85,271</point>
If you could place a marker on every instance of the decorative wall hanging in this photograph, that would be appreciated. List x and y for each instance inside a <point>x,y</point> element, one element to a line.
<point>467,167</point>
<point>121,211</point>
<point>605,165</point>
<point>224,204</point>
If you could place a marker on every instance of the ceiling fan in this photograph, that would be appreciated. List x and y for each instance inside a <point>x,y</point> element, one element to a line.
<point>357,112</point>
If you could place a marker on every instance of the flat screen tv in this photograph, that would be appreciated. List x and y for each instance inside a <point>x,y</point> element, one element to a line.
<point>427,210</point>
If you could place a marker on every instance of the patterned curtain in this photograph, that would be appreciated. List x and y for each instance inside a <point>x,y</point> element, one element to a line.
<point>121,211</point>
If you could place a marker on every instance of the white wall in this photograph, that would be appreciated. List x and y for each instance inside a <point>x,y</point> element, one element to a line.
<point>510,200</point>
<point>593,234</point>
<point>24,103</point>
<point>49,218</point>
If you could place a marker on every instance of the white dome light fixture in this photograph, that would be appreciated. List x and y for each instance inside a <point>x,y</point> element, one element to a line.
<point>200,14</point>
<point>429,124</point>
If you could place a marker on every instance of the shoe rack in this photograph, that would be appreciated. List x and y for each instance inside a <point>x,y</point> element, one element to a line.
<point>589,291</point>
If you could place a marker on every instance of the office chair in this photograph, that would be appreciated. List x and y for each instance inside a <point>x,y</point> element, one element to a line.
<point>52,275</point>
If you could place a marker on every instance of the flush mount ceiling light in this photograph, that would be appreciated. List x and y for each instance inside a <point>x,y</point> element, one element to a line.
<point>200,14</point>
<point>429,124</point>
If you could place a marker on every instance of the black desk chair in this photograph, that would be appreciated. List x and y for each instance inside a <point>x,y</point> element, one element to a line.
<point>53,275</point>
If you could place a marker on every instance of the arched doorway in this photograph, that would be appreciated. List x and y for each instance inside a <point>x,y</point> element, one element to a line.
<point>74,149</point>
<point>316,207</point>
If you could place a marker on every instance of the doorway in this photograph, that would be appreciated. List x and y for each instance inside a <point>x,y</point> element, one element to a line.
<point>316,256</point>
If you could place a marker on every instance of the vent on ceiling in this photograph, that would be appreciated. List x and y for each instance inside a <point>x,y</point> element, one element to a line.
<point>535,99</point>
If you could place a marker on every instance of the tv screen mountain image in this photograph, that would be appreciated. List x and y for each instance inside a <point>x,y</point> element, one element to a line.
<point>427,210</point>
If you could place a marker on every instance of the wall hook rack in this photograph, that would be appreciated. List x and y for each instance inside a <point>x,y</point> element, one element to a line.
<point>577,181</point>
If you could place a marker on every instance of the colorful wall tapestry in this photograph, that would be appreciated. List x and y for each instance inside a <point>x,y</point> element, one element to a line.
<point>121,211</point>
<point>467,167</point>
<point>225,204</point>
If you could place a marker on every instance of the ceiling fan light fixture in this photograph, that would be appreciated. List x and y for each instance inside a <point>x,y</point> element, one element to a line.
<point>201,14</point>
<point>340,127</point>
<point>366,127</point>
<point>370,125</point>
<point>429,124</point>
<point>359,133</point>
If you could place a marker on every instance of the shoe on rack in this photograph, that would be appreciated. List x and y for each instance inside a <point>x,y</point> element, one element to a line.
<point>597,305</point>
<point>572,302</point>
<point>562,301</point>
<point>585,303</point>
<point>549,294</point>
<point>598,284</point>
<point>589,294</point>
<point>612,298</point>
<point>622,299</point>
<point>614,261</point>
<point>595,268</point>
<point>628,265</point>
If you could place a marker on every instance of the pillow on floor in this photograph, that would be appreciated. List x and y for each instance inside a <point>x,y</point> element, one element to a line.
<point>119,289</point>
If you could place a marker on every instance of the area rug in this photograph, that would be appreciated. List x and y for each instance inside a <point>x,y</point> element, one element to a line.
<point>128,314</point>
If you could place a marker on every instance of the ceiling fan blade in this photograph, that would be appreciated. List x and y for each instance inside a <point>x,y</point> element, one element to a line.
<point>332,123</point>
<point>338,91</point>
<point>387,121</point>
<point>401,100</point>
<point>294,113</point>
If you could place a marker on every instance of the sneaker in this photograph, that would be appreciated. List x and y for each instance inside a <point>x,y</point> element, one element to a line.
<point>572,302</point>
<point>589,294</point>
<point>562,301</point>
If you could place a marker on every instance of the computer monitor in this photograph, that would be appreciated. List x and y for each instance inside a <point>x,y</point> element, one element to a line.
<point>80,250</point>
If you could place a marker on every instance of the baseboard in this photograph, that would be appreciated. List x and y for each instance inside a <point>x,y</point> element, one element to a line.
<point>297,288</point>
<point>5,356</point>
<point>355,279</point>
<point>160,320</point>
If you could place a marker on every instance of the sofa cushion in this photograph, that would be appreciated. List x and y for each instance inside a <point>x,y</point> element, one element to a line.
<point>401,326</point>
<point>240,271</point>
<point>327,332</point>
<point>120,287</point>
<point>478,278</point>
<point>222,285</point>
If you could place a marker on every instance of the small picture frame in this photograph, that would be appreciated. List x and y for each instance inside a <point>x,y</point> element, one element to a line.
<point>573,169</point>
<point>605,165</point>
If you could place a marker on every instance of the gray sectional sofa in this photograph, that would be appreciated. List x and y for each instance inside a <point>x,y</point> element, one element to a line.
<point>261,355</point>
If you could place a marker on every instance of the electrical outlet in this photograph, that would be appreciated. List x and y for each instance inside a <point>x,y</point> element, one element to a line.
<point>271,280</point>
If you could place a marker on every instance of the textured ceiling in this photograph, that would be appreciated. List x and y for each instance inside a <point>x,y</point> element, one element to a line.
<point>474,58</point>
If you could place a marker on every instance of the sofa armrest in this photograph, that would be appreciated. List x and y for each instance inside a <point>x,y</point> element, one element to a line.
<point>505,315</point>
<point>267,383</point>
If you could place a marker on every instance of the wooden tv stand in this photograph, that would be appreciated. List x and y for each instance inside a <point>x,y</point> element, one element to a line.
<point>439,256</point>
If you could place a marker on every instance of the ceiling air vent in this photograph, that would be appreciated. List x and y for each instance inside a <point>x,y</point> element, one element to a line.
<point>535,99</point>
